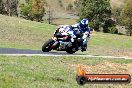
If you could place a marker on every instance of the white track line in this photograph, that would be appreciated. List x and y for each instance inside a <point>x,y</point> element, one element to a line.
<point>65,55</point>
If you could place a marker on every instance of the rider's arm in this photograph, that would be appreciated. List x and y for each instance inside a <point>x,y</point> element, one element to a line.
<point>75,27</point>
<point>86,33</point>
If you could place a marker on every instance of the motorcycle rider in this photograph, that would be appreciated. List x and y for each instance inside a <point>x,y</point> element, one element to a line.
<point>66,30</point>
<point>83,28</point>
<point>73,30</point>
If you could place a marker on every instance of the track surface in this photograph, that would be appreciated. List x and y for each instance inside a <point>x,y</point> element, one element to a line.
<point>26,52</point>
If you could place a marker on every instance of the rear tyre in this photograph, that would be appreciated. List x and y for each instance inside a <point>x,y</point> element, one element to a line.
<point>70,50</point>
<point>47,45</point>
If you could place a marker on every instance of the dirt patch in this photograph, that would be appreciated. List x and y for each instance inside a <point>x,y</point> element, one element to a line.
<point>105,68</point>
<point>117,3</point>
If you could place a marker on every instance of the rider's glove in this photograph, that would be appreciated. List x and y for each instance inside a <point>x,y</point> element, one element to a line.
<point>72,39</point>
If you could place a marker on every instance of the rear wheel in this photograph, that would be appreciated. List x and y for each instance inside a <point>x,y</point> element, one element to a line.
<point>47,45</point>
<point>70,50</point>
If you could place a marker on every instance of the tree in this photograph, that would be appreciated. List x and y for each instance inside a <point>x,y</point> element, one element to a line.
<point>126,16</point>
<point>97,11</point>
<point>14,6</point>
<point>8,7</point>
<point>1,7</point>
<point>25,10</point>
<point>33,10</point>
<point>116,11</point>
<point>37,10</point>
<point>110,26</point>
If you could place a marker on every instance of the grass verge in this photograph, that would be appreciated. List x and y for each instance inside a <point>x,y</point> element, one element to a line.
<point>57,72</point>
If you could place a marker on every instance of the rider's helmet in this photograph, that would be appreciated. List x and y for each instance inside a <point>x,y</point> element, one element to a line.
<point>84,23</point>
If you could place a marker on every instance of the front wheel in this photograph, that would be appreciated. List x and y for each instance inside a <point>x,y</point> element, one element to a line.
<point>47,45</point>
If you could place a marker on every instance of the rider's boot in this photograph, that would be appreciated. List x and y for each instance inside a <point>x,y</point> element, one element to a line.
<point>75,46</point>
<point>84,48</point>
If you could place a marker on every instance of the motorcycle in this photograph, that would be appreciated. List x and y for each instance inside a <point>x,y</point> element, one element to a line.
<point>62,44</point>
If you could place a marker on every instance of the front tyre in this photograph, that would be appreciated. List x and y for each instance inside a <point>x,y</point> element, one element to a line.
<point>47,45</point>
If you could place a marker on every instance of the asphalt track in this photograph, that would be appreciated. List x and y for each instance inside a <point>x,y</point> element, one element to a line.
<point>27,52</point>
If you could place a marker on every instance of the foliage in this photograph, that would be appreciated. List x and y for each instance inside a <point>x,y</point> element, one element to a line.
<point>97,11</point>
<point>33,10</point>
<point>38,10</point>
<point>113,30</point>
<point>1,6</point>
<point>110,26</point>
<point>116,11</point>
<point>27,1</point>
<point>25,10</point>
<point>91,24</point>
<point>126,16</point>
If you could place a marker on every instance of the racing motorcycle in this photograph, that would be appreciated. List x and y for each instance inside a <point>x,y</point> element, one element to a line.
<point>63,44</point>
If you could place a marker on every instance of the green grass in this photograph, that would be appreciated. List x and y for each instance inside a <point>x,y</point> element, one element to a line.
<point>24,34</point>
<point>110,44</point>
<point>112,40</point>
<point>49,72</point>
<point>20,33</point>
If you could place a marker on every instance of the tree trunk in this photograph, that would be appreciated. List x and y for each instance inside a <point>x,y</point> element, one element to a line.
<point>8,5</point>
